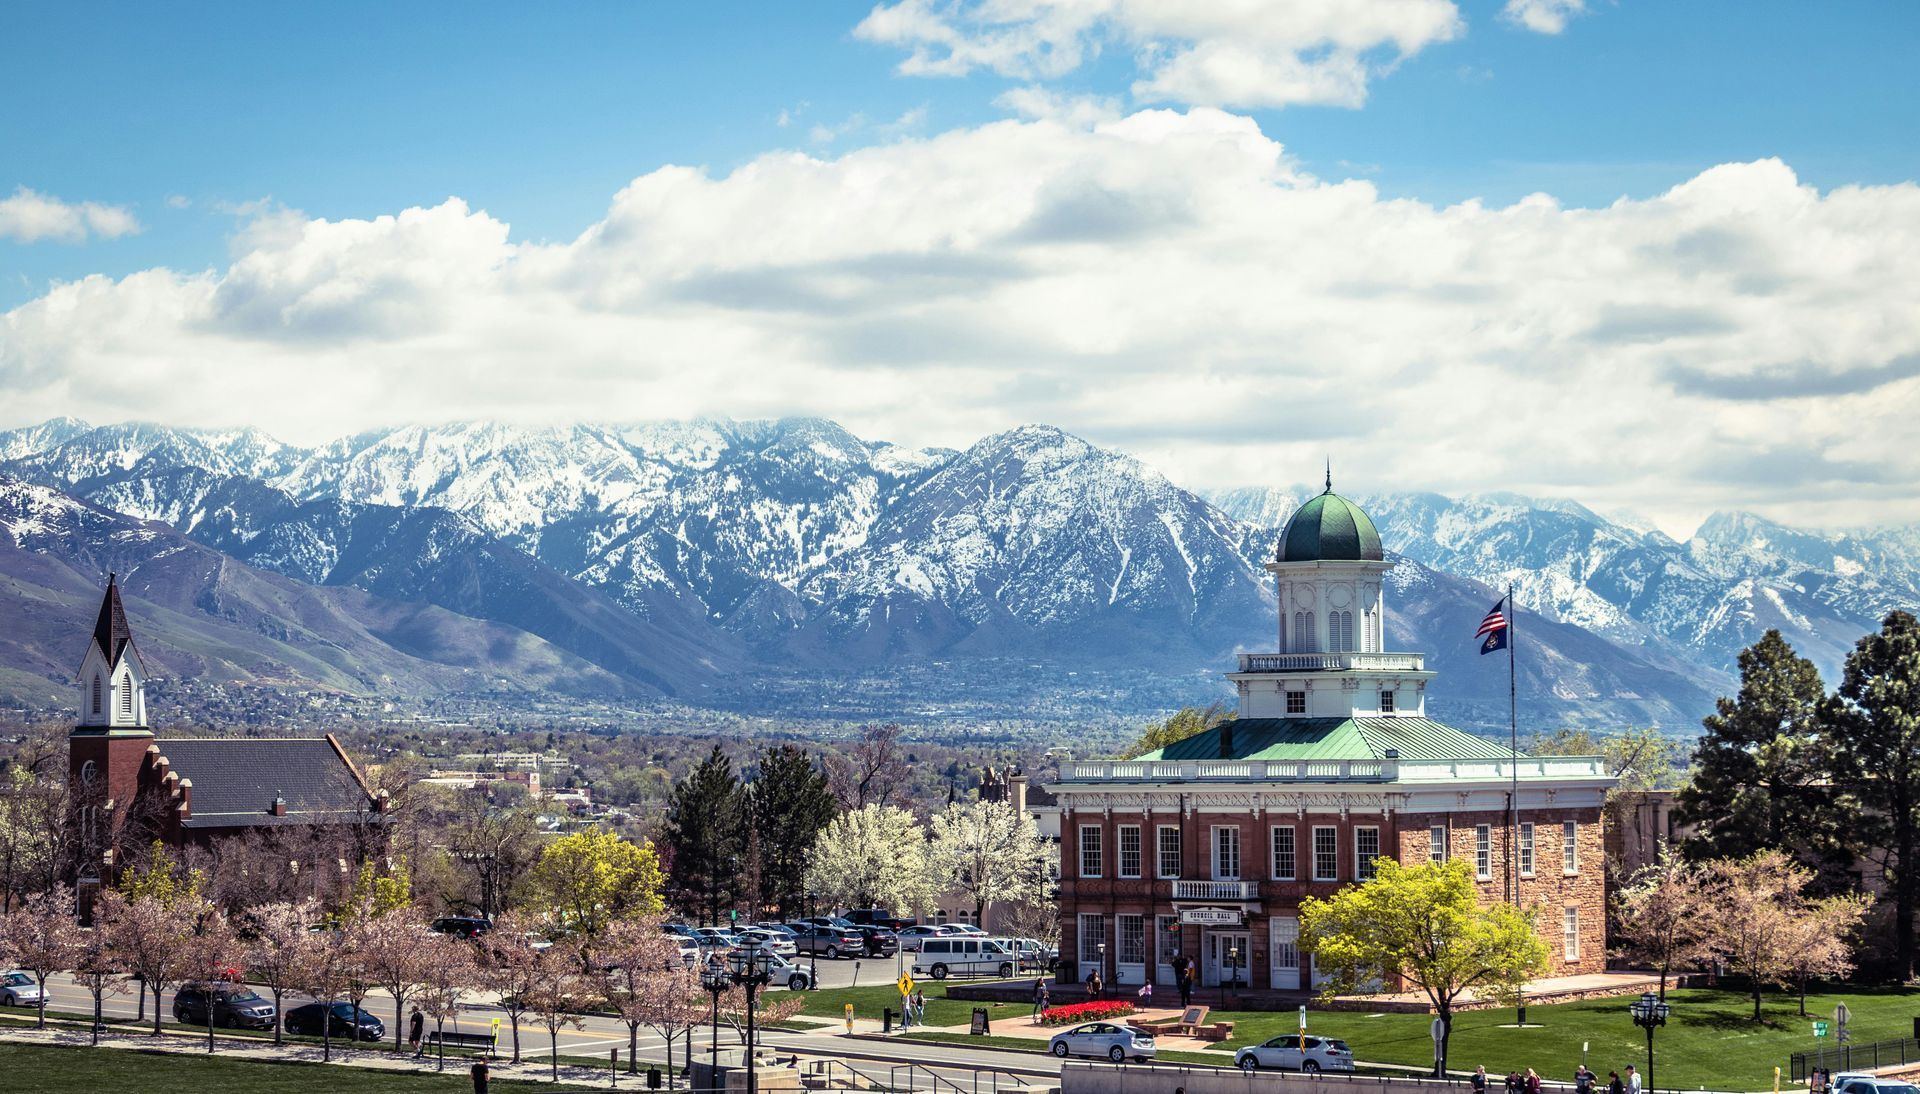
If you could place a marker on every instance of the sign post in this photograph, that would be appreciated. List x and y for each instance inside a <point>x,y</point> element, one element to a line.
<point>1303,1028</point>
<point>1439,1030</point>
<point>849,1019</point>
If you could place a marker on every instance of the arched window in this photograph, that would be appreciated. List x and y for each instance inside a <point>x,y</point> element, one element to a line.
<point>1340,626</point>
<point>96,693</point>
<point>1299,632</point>
<point>1283,632</point>
<point>1311,636</point>
<point>126,695</point>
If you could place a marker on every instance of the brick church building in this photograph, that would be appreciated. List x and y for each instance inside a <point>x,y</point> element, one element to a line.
<point>130,788</point>
<point>1207,847</point>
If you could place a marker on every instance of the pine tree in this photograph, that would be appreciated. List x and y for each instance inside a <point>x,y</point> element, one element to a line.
<point>1874,726</point>
<point>1760,770</point>
<point>789,802</point>
<point>705,836</point>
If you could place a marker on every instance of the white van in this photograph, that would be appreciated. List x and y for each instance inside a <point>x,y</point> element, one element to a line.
<point>966,955</point>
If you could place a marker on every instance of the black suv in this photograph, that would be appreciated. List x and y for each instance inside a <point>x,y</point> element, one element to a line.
<point>462,926</point>
<point>880,941</point>
<point>235,1006</point>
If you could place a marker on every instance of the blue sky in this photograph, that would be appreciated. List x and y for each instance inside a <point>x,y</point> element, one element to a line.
<point>1226,236</point>
<point>351,110</point>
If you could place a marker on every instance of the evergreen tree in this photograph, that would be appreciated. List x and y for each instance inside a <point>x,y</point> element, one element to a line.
<point>705,836</point>
<point>1181,724</point>
<point>1761,768</point>
<point>789,802</point>
<point>1874,726</point>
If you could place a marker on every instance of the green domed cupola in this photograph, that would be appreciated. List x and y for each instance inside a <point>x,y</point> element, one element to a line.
<point>1329,528</point>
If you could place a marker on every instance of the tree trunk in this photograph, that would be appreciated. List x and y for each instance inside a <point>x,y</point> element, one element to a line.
<point>1903,839</point>
<point>156,1008</point>
<point>1756,999</point>
<point>514,1018</point>
<point>278,1024</point>
<point>399,1019</point>
<point>1803,995</point>
<point>1663,983</point>
<point>41,1022</point>
<point>553,1051</point>
<point>633,1049</point>
<point>1446,1034</point>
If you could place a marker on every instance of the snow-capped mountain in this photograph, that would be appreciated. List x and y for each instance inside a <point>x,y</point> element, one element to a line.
<point>678,555</point>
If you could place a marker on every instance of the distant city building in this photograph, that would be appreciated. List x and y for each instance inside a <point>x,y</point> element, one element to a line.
<point>1207,847</point>
<point>130,788</point>
<point>468,780</point>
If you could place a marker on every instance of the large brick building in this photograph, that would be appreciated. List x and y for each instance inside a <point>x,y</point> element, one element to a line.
<point>1207,847</point>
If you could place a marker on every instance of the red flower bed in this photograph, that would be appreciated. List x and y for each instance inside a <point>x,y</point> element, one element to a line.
<point>1074,1013</point>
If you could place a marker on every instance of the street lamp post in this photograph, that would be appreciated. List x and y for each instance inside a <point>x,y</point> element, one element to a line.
<point>750,971</point>
<point>1648,1011</point>
<point>1233,966</point>
<point>715,980</point>
<point>1103,963</point>
<point>813,952</point>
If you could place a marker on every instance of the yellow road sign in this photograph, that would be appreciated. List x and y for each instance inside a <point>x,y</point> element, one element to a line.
<point>906,984</point>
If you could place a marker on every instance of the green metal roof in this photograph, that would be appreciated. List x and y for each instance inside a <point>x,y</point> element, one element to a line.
<point>1329,528</point>
<point>1332,739</point>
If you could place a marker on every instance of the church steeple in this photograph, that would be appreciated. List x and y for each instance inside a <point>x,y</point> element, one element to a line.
<point>112,676</point>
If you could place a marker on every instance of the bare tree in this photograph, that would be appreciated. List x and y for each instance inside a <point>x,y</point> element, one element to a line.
<point>1664,918</point>
<point>1761,921</point>
<point>326,971</point>
<point>871,770</point>
<point>279,949</point>
<point>559,994</point>
<point>43,937</point>
<point>647,982</point>
<point>1822,939</point>
<point>98,967</point>
<point>392,950</point>
<point>151,939</point>
<point>447,968</point>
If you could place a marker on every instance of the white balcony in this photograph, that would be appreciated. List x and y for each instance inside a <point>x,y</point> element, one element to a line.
<point>1332,662</point>
<point>1147,771</point>
<point>1216,890</point>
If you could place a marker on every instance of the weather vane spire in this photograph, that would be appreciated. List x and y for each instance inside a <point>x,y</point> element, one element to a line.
<point>1329,474</point>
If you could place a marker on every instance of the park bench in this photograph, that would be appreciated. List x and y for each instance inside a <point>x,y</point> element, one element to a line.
<point>455,1039</point>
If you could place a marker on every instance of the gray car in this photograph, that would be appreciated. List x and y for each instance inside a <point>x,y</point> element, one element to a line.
<point>19,989</point>
<point>1114,1040</point>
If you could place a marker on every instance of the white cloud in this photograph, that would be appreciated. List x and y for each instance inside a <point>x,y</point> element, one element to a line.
<point>1543,16</point>
<point>1166,282</point>
<point>179,201</point>
<point>30,216</point>
<point>1221,53</point>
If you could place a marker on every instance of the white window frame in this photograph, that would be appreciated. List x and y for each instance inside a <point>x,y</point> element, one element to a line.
<point>1137,936</point>
<point>1098,852</point>
<point>97,690</point>
<point>1090,940</point>
<point>1296,702</point>
<point>1292,850</point>
<point>1331,855</point>
<point>1226,846</point>
<point>126,695</point>
<point>1386,701</point>
<point>1570,932</point>
<point>1437,843</point>
<point>1161,848</point>
<point>1124,831</point>
<point>1483,852</point>
<point>1526,848</point>
<point>1362,862</point>
<point>1569,848</point>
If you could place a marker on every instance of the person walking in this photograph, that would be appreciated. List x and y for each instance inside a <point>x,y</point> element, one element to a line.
<point>1582,1080</point>
<point>1515,1085</point>
<point>478,1073</point>
<point>1614,1085</point>
<point>1480,1079</point>
<point>1186,985</point>
<point>919,1007</point>
<point>1041,997</point>
<point>416,1029</point>
<point>1533,1082</point>
<point>1633,1080</point>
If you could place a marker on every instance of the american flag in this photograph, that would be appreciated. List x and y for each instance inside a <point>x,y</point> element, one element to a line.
<point>1493,629</point>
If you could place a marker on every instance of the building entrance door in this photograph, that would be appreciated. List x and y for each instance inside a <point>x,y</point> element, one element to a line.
<point>1225,959</point>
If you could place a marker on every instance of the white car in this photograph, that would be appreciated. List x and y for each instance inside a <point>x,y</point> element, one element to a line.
<point>689,949</point>
<point>1283,1053</point>
<point>19,989</point>
<point>756,939</point>
<point>912,938</point>
<point>1114,1040</point>
<point>781,971</point>
<point>1856,1083</point>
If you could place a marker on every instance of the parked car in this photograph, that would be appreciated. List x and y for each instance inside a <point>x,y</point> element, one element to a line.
<point>781,971</point>
<point>307,1019</point>
<point>779,928</point>
<point>963,955</point>
<point>19,989</point>
<point>461,926</point>
<point>689,949</point>
<point>967,928</point>
<point>830,942</point>
<point>235,1006</point>
<point>911,938</point>
<point>758,939</point>
<point>879,941</point>
<point>680,929</point>
<point>1116,1041</point>
<point>1284,1053</point>
<point>875,917</point>
<point>1857,1083</point>
<point>1032,953</point>
<point>714,939</point>
<point>826,921</point>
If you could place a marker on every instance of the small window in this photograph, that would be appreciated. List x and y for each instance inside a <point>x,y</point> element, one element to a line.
<point>1366,848</point>
<point>1569,848</point>
<point>1570,933</point>
<point>1437,843</point>
<point>1296,702</point>
<point>1283,854</point>
<point>126,695</point>
<point>1386,702</point>
<point>1326,854</point>
<point>1482,852</point>
<point>1526,849</point>
<point>1129,850</point>
<point>1169,836</point>
<point>96,693</point>
<point>1090,864</point>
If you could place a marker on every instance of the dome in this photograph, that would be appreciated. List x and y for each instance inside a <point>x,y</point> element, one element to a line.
<point>1329,528</point>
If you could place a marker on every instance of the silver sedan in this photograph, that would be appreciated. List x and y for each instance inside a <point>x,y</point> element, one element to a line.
<point>1113,1040</point>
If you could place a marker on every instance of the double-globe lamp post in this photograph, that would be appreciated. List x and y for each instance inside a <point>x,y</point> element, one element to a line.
<point>813,949</point>
<point>1648,1011</point>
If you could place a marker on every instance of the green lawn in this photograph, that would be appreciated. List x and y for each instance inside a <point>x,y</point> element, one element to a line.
<point>1710,1041</point>
<point>90,1071</point>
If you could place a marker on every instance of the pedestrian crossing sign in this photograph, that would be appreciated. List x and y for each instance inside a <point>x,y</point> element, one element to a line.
<point>906,984</point>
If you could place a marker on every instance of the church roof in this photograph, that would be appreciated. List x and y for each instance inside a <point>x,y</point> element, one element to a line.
<point>1331,739</point>
<point>1329,528</point>
<point>236,779</point>
<point>110,631</point>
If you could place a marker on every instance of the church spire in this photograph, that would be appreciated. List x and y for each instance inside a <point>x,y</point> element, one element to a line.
<point>110,630</point>
<point>1329,474</point>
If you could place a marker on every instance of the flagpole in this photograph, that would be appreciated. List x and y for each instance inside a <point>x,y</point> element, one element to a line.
<point>1513,761</point>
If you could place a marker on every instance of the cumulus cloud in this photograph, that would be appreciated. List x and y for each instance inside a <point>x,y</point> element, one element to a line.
<point>1167,281</point>
<point>1543,16</point>
<point>30,216</point>
<point>1224,53</point>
